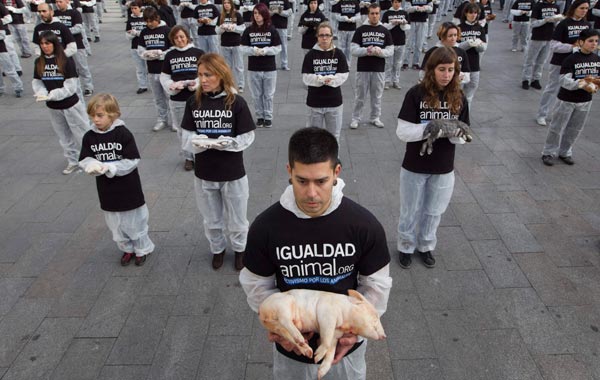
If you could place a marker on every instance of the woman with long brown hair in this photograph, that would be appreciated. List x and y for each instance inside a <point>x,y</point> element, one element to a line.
<point>230,27</point>
<point>217,127</point>
<point>427,180</point>
<point>55,82</point>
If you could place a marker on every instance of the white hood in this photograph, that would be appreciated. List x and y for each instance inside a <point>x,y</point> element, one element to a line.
<point>288,201</point>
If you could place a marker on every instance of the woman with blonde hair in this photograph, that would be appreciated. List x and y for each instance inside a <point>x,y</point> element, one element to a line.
<point>231,26</point>
<point>427,180</point>
<point>217,127</point>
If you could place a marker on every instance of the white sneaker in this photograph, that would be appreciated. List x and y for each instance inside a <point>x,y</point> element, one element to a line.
<point>541,121</point>
<point>159,125</point>
<point>70,169</point>
<point>386,86</point>
<point>397,85</point>
<point>513,50</point>
<point>241,90</point>
<point>378,123</point>
<point>173,128</point>
<point>354,124</point>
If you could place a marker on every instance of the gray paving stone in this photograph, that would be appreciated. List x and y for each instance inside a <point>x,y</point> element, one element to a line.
<point>12,289</point>
<point>490,199</point>
<point>138,341</point>
<point>167,271</point>
<point>470,170</point>
<point>418,369</point>
<point>556,367</point>
<point>526,207</point>
<point>83,359</point>
<point>18,326</point>
<point>475,223</point>
<point>553,287</point>
<point>108,316</point>
<point>130,372</point>
<point>514,233</point>
<point>255,371</point>
<point>454,250</point>
<point>228,318</point>
<point>180,349</point>
<point>501,177</point>
<point>379,365</point>
<point>217,348</point>
<point>499,264</point>
<point>571,222</point>
<point>33,262</point>
<point>536,187</point>
<point>45,349</point>
<point>560,248</point>
<point>260,349</point>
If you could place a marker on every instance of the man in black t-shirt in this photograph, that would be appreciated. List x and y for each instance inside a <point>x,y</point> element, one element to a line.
<point>372,43</point>
<point>315,238</point>
<point>49,23</point>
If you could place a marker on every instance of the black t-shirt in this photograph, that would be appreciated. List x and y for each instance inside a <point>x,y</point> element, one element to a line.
<point>119,193</point>
<point>349,8</point>
<point>52,79</point>
<point>522,5</point>
<point>187,12</point>
<point>278,21</point>
<point>596,18</point>
<point>17,17</point>
<point>398,35</point>
<point>468,33</point>
<point>567,31</point>
<point>368,35</point>
<point>135,23</point>
<point>580,66</point>
<point>213,120</point>
<point>206,11</point>
<point>419,16</point>
<point>231,38</point>
<point>62,32</point>
<point>541,11</point>
<point>384,5</point>
<point>256,38</point>
<point>459,11</point>
<point>182,65</point>
<point>155,39</point>
<point>324,63</point>
<point>311,21</point>
<point>365,10</point>
<point>3,13</point>
<point>70,18</point>
<point>463,59</point>
<point>248,14</point>
<point>415,110</point>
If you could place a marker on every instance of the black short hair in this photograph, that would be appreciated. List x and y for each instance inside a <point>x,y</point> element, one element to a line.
<point>587,33</point>
<point>151,14</point>
<point>312,145</point>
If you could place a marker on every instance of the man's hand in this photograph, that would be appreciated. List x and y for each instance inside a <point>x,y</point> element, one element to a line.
<point>344,344</point>
<point>288,346</point>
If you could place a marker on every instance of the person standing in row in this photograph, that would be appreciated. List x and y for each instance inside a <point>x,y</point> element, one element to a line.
<point>521,12</point>
<point>88,12</point>
<point>231,26</point>
<point>71,18</point>
<point>347,13</point>
<point>324,70</point>
<point>17,9</point>
<point>247,9</point>
<point>418,11</point>
<point>448,35</point>
<point>217,127</point>
<point>186,9</point>
<point>135,25</point>
<point>473,41</point>
<point>50,24</point>
<point>427,181</point>
<point>8,68</point>
<point>372,43</point>
<point>179,80</point>
<point>55,82</point>
<point>280,11</point>
<point>574,99</point>
<point>152,47</point>
<point>207,15</point>
<point>261,43</point>
<point>307,27</point>
<point>110,154</point>
<point>396,20</point>
<point>564,39</point>
<point>544,16</point>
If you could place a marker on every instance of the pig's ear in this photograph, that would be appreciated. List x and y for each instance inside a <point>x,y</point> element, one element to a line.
<point>356,297</point>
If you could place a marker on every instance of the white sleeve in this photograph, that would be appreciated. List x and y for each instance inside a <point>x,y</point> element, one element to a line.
<point>257,288</point>
<point>567,81</point>
<point>272,50</point>
<point>141,50</point>
<point>481,48</point>
<point>239,29</point>
<point>166,81</point>
<point>405,27</point>
<point>213,21</point>
<point>247,50</point>
<point>18,11</point>
<point>121,167</point>
<point>71,49</point>
<point>428,8</point>
<point>311,80</point>
<point>466,78</point>
<point>457,140</point>
<point>387,52</point>
<point>410,132</point>
<point>357,51</point>
<point>302,29</point>
<point>455,21</point>
<point>376,288</point>
<point>186,142</point>
<point>560,47</point>
<point>421,74</point>
<point>338,79</point>
<point>129,36</point>
<point>515,12</point>
<point>464,45</point>
<point>76,29</point>
<point>286,13</point>
<point>596,12</point>
<point>38,87</point>
<point>535,23</point>
<point>240,142</point>
<point>219,30</point>
<point>69,88</point>
<point>6,19</point>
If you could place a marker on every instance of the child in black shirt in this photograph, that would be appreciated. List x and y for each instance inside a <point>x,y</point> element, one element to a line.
<point>110,154</point>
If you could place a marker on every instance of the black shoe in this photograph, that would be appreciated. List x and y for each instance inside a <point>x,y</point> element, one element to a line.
<point>217,261</point>
<point>525,85</point>
<point>25,55</point>
<point>405,260</point>
<point>404,67</point>
<point>239,260</point>
<point>89,39</point>
<point>268,124</point>
<point>567,160</point>
<point>547,160</point>
<point>427,259</point>
<point>141,90</point>
<point>188,165</point>
<point>536,84</point>
<point>140,260</point>
<point>416,67</point>
<point>126,258</point>
<point>97,39</point>
<point>260,123</point>
<point>99,21</point>
<point>87,93</point>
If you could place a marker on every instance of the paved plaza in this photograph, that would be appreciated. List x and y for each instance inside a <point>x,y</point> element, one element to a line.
<point>515,293</point>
